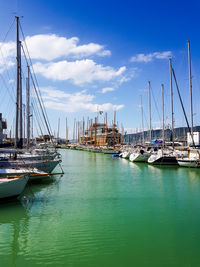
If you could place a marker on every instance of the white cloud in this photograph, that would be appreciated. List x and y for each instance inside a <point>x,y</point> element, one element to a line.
<point>149,57</point>
<point>80,101</point>
<point>51,46</point>
<point>7,52</point>
<point>79,71</point>
<point>107,89</point>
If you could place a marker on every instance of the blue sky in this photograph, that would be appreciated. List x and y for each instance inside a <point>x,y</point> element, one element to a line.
<point>91,55</point>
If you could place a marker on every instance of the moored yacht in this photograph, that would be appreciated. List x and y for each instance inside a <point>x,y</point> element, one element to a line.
<point>12,186</point>
<point>140,156</point>
<point>125,155</point>
<point>191,161</point>
<point>34,174</point>
<point>163,157</point>
<point>42,165</point>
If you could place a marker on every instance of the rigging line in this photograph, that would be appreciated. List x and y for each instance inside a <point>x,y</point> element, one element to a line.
<point>6,66</point>
<point>180,98</point>
<point>11,113</point>
<point>31,65</point>
<point>38,113</point>
<point>37,120</point>
<point>8,106</point>
<point>146,119</point>
<point>155,104</point>
<point>7,33</point>
<point>3,45</point>
<point>6,87</point>
<point>39,100</point>
<point>36,127</point>
<point>4,95</point>
<point>33,101</point>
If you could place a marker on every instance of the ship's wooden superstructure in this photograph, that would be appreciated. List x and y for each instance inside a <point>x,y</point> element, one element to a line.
<point>99,134</point>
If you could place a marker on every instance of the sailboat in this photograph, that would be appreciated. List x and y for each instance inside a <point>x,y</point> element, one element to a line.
<point>12,186</point>
<point>192,160</point>
<point>163,156</point>
<point>141,154</point>
<point>43,161</point>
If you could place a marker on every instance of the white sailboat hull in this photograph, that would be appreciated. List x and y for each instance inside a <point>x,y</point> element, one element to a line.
<point>12,187</point>
<point>189,163</point>
<point>125,155</point>
<point>138,157</point>
<point>162,160</point>
<point>45,166</point>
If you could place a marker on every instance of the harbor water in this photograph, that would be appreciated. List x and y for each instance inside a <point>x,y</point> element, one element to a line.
<point>105,212</point>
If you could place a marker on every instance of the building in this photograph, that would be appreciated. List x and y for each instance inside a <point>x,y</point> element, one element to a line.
<point>100,135</point>
<point>196,139</point>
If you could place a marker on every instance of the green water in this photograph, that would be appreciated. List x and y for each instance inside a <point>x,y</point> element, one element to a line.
<point>105,212</point>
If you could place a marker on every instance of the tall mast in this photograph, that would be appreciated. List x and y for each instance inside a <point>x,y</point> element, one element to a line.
<point>18,87</point>
<point>106,119</point>
<point>190,85</point>
<point>118,132</point>
<point>150,127</point>
<point>24,128</point>
<point>78,132</point>
<point>74,131</point>
<point>95,131</point>
<point>20,100</point>
<point>28,107</point>
<point>32,122</point>
<point>66,132</point>
<point>83,131</point>
<point>172,105</point>
<point>114,130</point>
<point>58,129</point>
<point>142,121</point>
<point>163,118</point>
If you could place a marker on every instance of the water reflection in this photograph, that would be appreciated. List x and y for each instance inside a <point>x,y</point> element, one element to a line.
<point>15,216</point>
<point>104,208</point>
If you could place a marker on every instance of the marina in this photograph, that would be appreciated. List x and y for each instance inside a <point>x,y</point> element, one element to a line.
<point>109,211</point>
<point>99,135</point>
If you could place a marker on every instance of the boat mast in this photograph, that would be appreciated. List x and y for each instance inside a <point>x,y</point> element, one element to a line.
<point>163,117</point>
<point>20,101</point>
<point>114,130</point>
<point>106,118</point>
<point>32,122</point>
<point>95,132</point>
<point>58,130</point>
<point>74,131</point>
<point>187,122</point>
<point>66,132</point>
<point>24,110</point>
<point>83,131</point>
<point>190,85</point>
<point>28,106</point>
<point>172,105</point>
<point>142,121</point>
<point>17,93</point>
<point>150,127</point>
